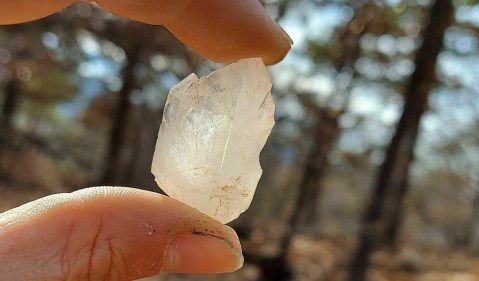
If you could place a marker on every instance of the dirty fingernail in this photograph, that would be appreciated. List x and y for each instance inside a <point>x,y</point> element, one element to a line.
<point>202,253</point>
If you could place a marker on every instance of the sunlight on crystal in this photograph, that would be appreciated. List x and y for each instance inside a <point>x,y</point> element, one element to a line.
<point>213,129</point>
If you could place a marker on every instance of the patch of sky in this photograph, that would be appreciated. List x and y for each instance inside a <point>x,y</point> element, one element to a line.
<point>366,99</point>
<point>375,133</point>
<point>348,120</point>
<point>386,44</point>
<point>153,95</point>
<point>402,68</point>
<point>352,141</point>
<point>312,20</point>
<point>305,21</point>
<point>89,89</point>
<point>396,3</point>
<point>390,113</point>
<point>468,14</point>
<point>289,129</point>
<point>455,107</point>
<point>113,51</point>
<point>450,117</point>
<point>406,44</point>
<point>113,83</point>
<point>282,78</point>
<point>368,42</point>
<point>393,3</point>
<point>88,43</point>
<point>98,74</point>
<point>291,108</point>
<point>319,84</point>
<point>369,68</point>
<point>98,67</point>
<point>409,22</point>
<point>464,69</point>
<point>431,125</point>
<point>294,65</point>
<point>462,41</point>
<point>50,40</point>
<point>160,62</point>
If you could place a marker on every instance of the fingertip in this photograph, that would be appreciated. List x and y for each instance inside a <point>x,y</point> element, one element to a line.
<point>175,236</point>
<point>227,31</point>
<point>284,46</point>
<point>199,252</point>
<point>278,55</point>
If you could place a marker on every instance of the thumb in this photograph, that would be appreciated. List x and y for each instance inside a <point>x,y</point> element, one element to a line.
<point>112,233</point>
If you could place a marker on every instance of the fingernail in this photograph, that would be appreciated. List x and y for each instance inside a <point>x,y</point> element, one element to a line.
<point>286,35</point>
<point>202,253</point>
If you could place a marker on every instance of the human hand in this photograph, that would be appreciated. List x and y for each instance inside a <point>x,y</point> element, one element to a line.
<point>119,233</point>
<point>112,233</point>
<point>223,31</point>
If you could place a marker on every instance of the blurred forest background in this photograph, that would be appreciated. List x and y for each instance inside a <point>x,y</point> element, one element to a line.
<point>372,169</point>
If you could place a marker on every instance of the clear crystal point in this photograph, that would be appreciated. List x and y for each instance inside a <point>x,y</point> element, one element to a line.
<point>213,130</point>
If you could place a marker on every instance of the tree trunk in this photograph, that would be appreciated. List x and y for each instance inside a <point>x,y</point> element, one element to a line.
<point>472,224</point>
<point>135,148</point>
<point>325,137</point>
<point>10,103</point>
<point>325,133</point>
<point>394,170</point>
<point>112,162</point>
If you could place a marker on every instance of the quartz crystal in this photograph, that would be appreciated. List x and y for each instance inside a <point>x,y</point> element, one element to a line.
<point>213,130</point>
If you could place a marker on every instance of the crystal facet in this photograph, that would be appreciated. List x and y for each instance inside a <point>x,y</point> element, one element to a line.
<point>213,130</point>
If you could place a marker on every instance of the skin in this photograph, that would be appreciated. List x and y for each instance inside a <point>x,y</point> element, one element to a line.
<point>112,233</point>
<point>120,233</point>
<point>223,31</point>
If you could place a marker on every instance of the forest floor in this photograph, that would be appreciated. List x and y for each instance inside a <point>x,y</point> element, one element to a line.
<point>318,257</point>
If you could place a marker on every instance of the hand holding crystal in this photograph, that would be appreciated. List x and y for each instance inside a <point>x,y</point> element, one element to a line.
<point>118,233</point>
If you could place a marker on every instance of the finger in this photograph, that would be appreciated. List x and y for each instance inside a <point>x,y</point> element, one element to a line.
<point>19,11</point>
<point>223,31</point>
<point>112,233</point>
